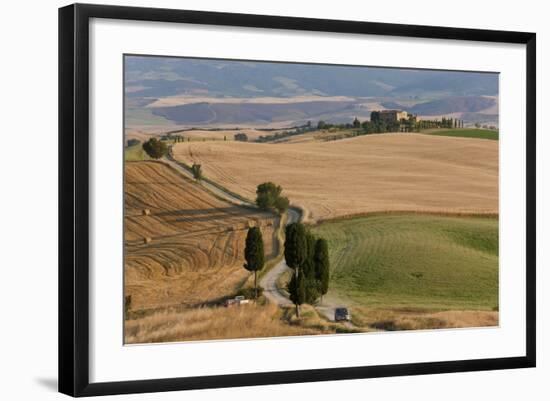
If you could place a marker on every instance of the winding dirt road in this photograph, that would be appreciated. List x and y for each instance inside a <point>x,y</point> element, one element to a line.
<point>269,281</point>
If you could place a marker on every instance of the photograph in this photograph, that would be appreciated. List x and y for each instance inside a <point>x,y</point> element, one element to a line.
<point>273,199</point>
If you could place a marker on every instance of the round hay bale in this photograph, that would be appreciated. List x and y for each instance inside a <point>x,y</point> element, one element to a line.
<point>147,240</point>
<point>146,212</point>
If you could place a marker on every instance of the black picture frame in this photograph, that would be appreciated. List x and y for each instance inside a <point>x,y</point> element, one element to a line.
<point>74,198</point>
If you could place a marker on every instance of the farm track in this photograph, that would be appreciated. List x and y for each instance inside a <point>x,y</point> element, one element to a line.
<point>269,281</point>
<point>169,159</point>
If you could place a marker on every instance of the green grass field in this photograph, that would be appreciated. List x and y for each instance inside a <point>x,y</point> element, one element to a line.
<point>414,261</point>
<point>135,153</point>
<point>466,133</point>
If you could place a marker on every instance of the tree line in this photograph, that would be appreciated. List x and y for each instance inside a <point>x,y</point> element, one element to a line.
<point>287,133</point>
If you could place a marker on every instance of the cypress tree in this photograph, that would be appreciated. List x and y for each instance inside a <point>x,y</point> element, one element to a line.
<point>295,245</point>
<point>297,290</point>
<point>322,266</point>
<point>254,254</point>
<point>296,253</point>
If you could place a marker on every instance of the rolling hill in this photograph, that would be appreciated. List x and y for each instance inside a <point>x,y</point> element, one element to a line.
<point>384,172</point>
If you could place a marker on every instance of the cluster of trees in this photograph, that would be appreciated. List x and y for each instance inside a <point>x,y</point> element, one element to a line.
<point>324,125</point>
<point>365,127</point>
<point>268,197</point>
<point>443,123</point>
<point>284,134</point>
<point>308,257</point>
<point>171,137</point>
<point>155,148</point>
<point>378,125</point>
<point>241,136</point>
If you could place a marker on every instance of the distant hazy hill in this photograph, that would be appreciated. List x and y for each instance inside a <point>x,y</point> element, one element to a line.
<point>224,92</point>
<point>454,104</point>
<point>158,77</point>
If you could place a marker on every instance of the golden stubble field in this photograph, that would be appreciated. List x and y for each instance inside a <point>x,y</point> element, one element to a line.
<point>372,173</point>
<point>183,246</point>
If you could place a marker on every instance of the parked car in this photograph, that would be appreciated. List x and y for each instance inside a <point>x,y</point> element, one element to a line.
<point>342,314</point>
<point>238,300</point>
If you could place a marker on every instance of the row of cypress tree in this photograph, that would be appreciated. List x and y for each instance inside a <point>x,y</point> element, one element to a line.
<point>305,253</point>
<point>309,258</point>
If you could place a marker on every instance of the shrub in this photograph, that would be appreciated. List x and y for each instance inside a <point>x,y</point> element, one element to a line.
<point>196,169</point>
<point>268,196</point>
<point>155,148</point>
<point>242,137</point>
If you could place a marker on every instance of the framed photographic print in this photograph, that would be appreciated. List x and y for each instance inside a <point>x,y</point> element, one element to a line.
<point>249,199</point>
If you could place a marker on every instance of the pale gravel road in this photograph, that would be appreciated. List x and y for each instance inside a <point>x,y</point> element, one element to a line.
<point>269,281</point>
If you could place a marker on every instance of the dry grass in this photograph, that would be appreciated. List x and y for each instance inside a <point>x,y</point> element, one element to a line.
<point>267,320</point>
<point>418,319</point>
<point>195,252</point>
<point>214,323</point>
<point>386,172</point>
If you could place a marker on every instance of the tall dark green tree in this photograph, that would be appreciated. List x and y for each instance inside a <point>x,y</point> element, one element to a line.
<point>254,254</point>
<point>296,253</point>
<point>295,245</point>
<point>297,290</point>
<point>308,268</point>
<point>308,265</point>
<point>155,148</point>
<point>322,266</point>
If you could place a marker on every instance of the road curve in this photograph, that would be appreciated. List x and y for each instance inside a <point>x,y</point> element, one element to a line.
<point>269,281</point>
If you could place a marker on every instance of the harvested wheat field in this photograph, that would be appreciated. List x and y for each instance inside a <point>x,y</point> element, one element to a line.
<point>182,244</point>
<point>371,173</point>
